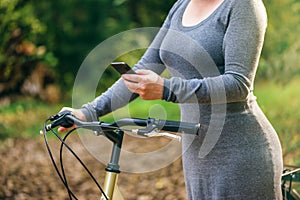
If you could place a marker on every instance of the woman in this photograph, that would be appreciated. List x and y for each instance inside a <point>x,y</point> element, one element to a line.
<point>212,49</point>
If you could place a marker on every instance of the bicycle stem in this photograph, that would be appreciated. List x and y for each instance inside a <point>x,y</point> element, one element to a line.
<point>113,168</point>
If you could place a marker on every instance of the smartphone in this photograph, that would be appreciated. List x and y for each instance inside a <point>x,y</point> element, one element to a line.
<point>122,68</point>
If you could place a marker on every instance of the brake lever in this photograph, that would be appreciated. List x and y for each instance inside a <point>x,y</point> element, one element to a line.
<point>154,133</point>
<point>164,134</point>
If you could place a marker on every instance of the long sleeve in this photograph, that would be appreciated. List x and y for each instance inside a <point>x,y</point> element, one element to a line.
<point>118,95</point>
<point>242,43</point>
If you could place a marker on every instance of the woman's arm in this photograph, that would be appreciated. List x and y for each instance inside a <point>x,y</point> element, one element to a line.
<point>118,95</point>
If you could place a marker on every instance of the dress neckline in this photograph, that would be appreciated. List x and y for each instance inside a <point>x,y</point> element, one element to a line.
<point>201,21</point>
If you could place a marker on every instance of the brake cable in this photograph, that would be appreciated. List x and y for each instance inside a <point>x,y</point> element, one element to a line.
<point>61,174</point>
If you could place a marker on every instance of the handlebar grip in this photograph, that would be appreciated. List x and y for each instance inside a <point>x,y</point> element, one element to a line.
<point>61,119</point>
<point>175,126</point>
<point>131,122</point>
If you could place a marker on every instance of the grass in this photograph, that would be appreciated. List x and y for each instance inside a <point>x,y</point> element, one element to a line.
<point>143,109</point>
<point>24,118</point>
<point>282,107</point>
<point>279,102</point>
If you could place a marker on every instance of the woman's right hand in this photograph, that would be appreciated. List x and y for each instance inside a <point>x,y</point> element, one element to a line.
<point>77,113</point>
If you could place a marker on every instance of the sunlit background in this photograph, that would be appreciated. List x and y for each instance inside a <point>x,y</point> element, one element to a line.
<point>43,43</point>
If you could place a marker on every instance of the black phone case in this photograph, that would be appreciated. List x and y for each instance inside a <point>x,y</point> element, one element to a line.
<point>122,68</point>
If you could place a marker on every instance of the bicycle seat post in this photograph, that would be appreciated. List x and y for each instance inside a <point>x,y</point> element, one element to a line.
<point>113,168</point>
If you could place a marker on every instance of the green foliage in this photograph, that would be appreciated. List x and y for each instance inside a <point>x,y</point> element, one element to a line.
<point>21,47</point>
<point>280,57</point>
<point>24,118</point>
<point>281,105</point>
<point>75,27</point>
<point>62,33</point>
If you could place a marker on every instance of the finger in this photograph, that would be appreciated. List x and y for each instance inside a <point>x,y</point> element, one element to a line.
<point>132,86</point>
<point>143,72</point>
<point>143,77</point>
<point>132,78</point>
<point>66,108</point>
<point>61,129</point>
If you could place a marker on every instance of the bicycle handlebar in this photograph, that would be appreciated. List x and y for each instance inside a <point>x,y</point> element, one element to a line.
<point>152,126</point>
<point>114,132</point>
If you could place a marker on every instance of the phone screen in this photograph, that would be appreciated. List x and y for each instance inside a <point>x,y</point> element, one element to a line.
<point>122,68</point>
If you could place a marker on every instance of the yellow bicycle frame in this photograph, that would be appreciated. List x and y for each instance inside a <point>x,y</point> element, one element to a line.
<point>111,188</point>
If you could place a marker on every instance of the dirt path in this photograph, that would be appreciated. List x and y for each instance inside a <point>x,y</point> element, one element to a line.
<point>26,172</point>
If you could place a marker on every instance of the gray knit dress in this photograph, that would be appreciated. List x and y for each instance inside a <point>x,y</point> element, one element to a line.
<point>236,153</point>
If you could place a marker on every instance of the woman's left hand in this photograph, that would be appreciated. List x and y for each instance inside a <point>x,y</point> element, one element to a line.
<point>146,83</point>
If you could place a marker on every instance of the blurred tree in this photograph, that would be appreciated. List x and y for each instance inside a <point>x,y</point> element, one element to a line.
<point>62,33</point>
<point>75,27</point>
<point>280,57</point>
<point>21,49</point>
<point>33,29</point>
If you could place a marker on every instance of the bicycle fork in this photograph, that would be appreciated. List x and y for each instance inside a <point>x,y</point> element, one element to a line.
<point>111,188</point>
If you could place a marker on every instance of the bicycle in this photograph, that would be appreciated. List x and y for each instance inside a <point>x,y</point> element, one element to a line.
<point>143,127</point>
<point>290,176</point>
<point>114,132</point>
